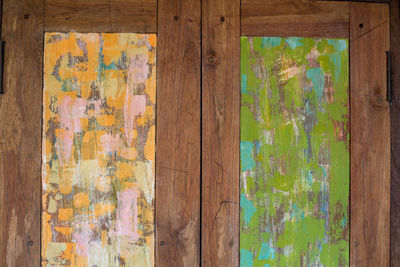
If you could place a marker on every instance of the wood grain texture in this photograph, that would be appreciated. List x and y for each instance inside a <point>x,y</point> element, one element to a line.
<point>295,18</point>
<point>395,134</point>
<point>370,136</point>
<point>20,133</point>
<point>101,16</point>
<point>220,135</point>
<point>178,134</point>
<point>372,1</point>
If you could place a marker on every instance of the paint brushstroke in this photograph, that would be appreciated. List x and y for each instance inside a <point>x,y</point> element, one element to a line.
<point>98,149</point>
<point>294,152</point>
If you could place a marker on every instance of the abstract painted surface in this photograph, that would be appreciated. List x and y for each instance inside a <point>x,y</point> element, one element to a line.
<point>294,152</point>
<point>98,149</point>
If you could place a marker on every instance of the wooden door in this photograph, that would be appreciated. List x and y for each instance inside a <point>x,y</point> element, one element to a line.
<point>197,160</point>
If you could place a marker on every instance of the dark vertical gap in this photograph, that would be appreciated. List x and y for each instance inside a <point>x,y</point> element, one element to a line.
<point>201,136</point>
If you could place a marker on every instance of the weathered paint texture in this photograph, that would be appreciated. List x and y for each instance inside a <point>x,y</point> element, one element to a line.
<point>294,152</point>
<point>98,149</point>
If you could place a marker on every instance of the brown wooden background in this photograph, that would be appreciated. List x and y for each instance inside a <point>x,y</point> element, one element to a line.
<point>198,101</point>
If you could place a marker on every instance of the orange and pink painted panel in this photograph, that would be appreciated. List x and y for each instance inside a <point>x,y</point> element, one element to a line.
<point>98,149</point>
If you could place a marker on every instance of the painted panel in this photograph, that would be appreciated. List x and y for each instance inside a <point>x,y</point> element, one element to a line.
<point>294,152</point>
<point>98,149</point>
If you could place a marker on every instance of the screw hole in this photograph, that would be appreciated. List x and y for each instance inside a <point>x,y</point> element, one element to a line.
<point>162,243</point>
<point>30,243</point>
<point>26,16</point>
<point>361,25</point>
<point>176,18</point>
<point>222,19</point>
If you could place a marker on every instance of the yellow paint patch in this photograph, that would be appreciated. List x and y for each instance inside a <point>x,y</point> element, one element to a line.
<point>81,200</point>
<point>103,209</point>
<point>65,214</point>
<point>66,231</point>
<point>106,120</point>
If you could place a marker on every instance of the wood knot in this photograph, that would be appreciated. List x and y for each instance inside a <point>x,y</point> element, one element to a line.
<point>377,101</point>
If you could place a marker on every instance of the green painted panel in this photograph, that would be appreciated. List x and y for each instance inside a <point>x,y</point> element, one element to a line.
<point>294,147</point>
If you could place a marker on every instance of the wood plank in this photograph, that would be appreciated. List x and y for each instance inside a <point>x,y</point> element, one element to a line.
<point>372,1</point>
<point>370,136</point>
<point>395,134</point>
<point>178,134</point>
<point>101,16</point>
<point>220,135</point>
<point>295,18</point>
<point>20,133</point>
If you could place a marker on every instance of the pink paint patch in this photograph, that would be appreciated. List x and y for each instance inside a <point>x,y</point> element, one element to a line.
<point>134,105</point>
<point>127,214</point>
<point>82,239</point>
<point>64,146</point>
<point>138,69</point>
<point>109,143</point>
<point>71,111</point>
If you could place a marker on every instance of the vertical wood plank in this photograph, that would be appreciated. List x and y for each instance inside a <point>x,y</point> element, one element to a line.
<point>220,132</point>
<point>395,134</point>
<point>178,134</point>
<point>20,133</point>
<point>370,136</point>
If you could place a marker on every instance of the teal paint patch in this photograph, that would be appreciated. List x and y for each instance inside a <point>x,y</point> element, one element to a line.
<point>270,42</point>
<point>266,252</point>
<point>248,208</point>
<point>246,149</point>
<point>246,258</point>
<point>340,45</point>
<point>244,84</point>
<point>294,42</point>
<point>317,77</point>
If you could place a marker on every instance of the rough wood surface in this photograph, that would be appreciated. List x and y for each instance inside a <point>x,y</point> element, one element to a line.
<point>220,135</point>
<point>20,133</point>
<point>370,136</point>
<point>295,18</point>
<point>372,1</point>
<point>395,134</point>
<point>178,134</point>
<point>101,15</point>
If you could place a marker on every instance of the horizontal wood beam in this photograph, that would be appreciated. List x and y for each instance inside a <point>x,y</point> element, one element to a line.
<point>295,18</point>
<point>101,16</point>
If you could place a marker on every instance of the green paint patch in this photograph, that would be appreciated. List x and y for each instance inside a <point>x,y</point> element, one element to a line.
<point>294,152</point>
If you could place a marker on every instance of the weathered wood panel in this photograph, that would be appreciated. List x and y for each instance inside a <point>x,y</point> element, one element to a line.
<point>220,135</point>
<point>295,162</point>
<point>101,16</point>
<point>20,134</point>
<point>295,18</point>
<point>395,134</point>
<point>178,134</point>
<point>98,149</point>
<point>370,136</point>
